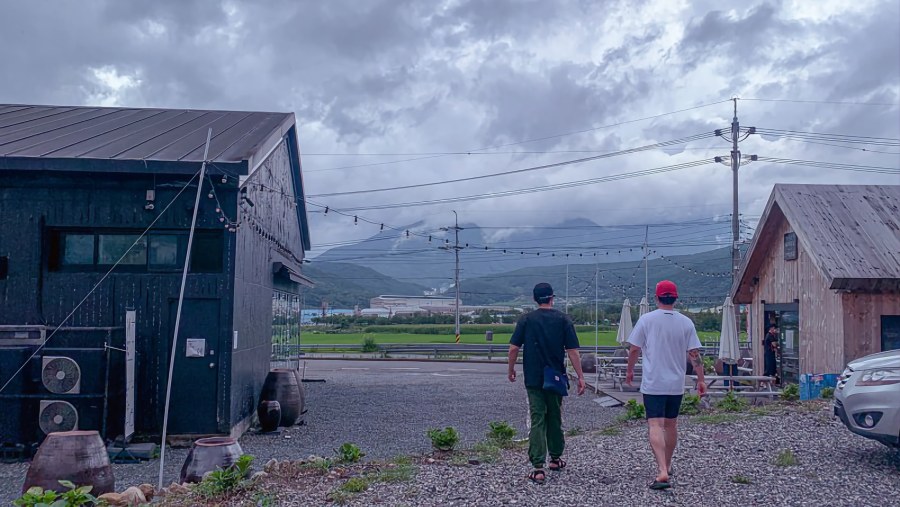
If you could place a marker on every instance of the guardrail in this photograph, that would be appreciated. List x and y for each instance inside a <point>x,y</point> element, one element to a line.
<point>444,349</point>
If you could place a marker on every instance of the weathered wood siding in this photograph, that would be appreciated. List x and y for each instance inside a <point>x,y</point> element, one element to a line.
<point>273,215</point>
<point>32,202</point>
<point>862,322</point>
<point>781,281</point>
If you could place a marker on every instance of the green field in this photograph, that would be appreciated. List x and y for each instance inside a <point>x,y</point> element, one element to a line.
<point>606,338</point>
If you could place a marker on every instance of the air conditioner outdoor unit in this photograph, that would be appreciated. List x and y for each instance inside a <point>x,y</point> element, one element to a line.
<point>61,375</point>
<point>57,415</point>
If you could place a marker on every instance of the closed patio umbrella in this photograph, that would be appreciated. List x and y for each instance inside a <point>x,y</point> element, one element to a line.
<point>625,325</point>
<point>729,349</point>
<point>644,306</point>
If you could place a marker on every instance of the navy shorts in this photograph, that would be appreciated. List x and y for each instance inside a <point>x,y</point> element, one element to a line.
<point>662,405</point>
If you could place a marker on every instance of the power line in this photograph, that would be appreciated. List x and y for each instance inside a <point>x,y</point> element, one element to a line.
<point>832,165</point>
<point>836,102</point>
<point>527,169</point>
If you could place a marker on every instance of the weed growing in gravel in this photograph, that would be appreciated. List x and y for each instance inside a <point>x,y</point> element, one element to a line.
<point>732,403</point>
<point>459,460</point>
<point>501,431</point>
<point>786,458</point>
<point>761,411</point>
<point>827,393</point>
<point>322,465</point>
<point>634,411</point>
<point>610,431</point>
<point>399,473</point>
<point>486,452</point>
<point>444,439</point>
<point>349,453</point>
<point>402,460</point>
<point>574,432</point>
<point>263,499</point>
<point>339,497</point>
<point>355,485</point>
<point>790,393</point>
<point>690,404</point>
<point>741,479</point>
<point>369,344</point>
<point>716,418</point>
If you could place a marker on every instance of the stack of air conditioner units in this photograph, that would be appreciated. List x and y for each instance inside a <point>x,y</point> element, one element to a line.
<point>60,375</point>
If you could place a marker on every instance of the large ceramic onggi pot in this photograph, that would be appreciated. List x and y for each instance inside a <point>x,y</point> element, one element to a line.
<point>76,456</point>
<point>208,455</point>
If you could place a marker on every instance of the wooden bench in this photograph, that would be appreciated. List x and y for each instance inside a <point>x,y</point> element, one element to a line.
<point>760,386</point>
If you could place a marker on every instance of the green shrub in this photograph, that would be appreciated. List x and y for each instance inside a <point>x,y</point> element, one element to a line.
<point>790,392</point>
<point>443,439</point>
<point>690,404</point>
<point>74,496</point>
<point>732,403</point>
<point>225,480</point>
<point>501,431</point>
<point>827,393</point>
<point>741,479</point>
<point>349,453</point>
<point>369,344</point>
<point>709,365</point>
<point>634,410</point>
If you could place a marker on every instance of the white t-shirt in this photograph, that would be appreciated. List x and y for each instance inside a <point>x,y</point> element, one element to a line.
<point>664,337</point>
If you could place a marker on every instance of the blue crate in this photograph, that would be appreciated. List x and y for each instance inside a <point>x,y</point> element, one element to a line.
<point>811,384</point>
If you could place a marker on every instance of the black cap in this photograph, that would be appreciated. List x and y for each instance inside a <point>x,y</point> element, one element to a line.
<point>542,293</point>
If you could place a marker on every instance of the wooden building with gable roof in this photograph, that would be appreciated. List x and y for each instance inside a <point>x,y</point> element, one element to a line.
<point>824,266</point>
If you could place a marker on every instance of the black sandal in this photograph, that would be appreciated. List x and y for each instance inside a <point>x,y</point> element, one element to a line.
<point>538,476</point>
<point>557,464</point>
<point>660,485</point>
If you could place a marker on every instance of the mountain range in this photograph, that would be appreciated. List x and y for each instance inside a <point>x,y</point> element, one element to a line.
<point>502,265</point>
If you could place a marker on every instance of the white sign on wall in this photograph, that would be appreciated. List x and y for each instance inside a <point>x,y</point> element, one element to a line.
<point>130,332</point>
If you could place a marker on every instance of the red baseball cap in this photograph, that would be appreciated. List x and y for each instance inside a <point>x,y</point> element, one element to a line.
<point>666,288</point>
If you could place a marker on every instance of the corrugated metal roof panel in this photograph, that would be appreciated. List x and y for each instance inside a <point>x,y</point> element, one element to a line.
<point>165,135</point>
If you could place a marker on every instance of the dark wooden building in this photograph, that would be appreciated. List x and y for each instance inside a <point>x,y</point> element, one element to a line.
<point>95,209</point>
<point>824,266</point>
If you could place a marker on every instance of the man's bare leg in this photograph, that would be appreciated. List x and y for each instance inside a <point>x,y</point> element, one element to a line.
<point>671,433</point>
<point>659,447</point>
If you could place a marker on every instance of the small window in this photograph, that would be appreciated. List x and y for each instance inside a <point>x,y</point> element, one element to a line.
<point>112,247</point>
<point>790,246</point>
<point>4,267</point>
<point>164,252</point>
<point>78,250</point>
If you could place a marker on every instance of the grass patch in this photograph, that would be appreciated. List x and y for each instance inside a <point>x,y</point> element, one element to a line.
<point>610,431</point>
<point>486,452</point>
<point>716,418</point>
<point>741,479</point>
<point>459,460</point>
<point>355,485</point>
<point>634,411</point>
<point>786,458</point>
<point>399,473</point>
<point>574,432</point>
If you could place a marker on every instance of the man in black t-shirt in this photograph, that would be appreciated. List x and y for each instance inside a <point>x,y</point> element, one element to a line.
<point>548,335</point>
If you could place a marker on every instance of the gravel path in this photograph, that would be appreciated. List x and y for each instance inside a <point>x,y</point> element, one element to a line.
<point>833,467</point>
<point>385,413</point>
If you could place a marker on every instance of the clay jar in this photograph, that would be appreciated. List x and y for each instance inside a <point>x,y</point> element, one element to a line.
<point>269,414</point>
<point>281,385</point>
<point>589,363</point>
<point>76,456</point>
<point>208,455</point>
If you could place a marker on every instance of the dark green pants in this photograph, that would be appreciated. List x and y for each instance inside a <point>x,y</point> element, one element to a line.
<point>546,426</point>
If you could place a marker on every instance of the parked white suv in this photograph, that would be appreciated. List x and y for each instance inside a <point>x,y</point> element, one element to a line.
<point>867,397</point>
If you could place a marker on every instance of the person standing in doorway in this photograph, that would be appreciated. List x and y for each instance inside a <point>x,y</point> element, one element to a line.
<point>547,335</point>
<point>664,336</point>
<point>770,353</point>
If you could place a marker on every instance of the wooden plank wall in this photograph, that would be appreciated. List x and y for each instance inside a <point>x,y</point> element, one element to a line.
<point>275,213</point>
<point>862,322</point>
<point>32,202</point>
<point>780,281</point>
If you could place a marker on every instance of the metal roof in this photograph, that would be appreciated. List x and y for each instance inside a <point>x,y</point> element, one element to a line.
<point>34,137</point>
<point>851,232</point>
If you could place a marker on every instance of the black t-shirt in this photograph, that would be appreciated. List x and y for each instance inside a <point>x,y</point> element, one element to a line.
<point>767,347</point>
<point>544,333</point>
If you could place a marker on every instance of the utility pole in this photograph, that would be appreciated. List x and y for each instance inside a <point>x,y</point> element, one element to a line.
<point>646,270</point>
<point>735,164</point>
<point>567,283</point>
<point>596,312</point>
<point>456,228</point>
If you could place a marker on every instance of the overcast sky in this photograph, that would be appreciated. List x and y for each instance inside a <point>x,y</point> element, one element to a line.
<point>412,78</point>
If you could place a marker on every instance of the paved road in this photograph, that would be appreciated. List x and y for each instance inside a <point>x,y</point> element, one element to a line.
<point>385,407</point>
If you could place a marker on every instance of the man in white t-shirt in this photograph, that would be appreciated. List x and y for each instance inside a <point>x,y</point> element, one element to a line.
<point>664,336</point>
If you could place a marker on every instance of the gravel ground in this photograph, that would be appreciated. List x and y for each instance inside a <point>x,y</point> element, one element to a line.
<point>833,467</point>
<point>384,413</point>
